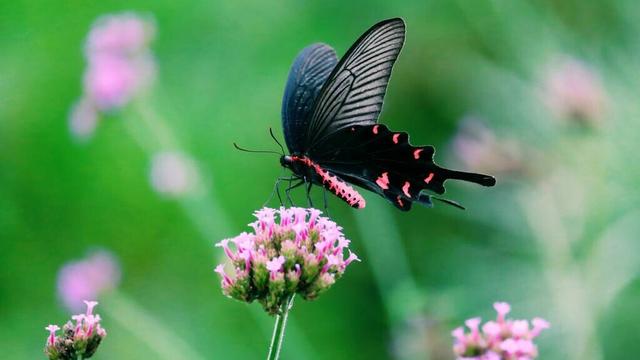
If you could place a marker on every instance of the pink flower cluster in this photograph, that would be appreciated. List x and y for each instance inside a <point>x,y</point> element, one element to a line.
<point>87,278</point>
<point>78,340</point>
<point>572,90</point>
<point>479,148</point>
<point>290,251</point>
<point>502,339</point>
<point>119,66</point>
<point>173,174</point>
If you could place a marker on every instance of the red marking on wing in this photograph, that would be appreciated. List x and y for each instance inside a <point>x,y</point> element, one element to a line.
<point>395,138</point>
<point>405,188</point>
<point>375,129</point>
<point>416,153</point>
<point>428,178</point>
<point>334,184</point>
<point>400,202</point>
<point>383,180</point>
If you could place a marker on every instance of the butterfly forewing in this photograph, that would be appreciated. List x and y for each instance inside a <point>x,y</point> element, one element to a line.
<point>354,92</point>
<point>309,72</point>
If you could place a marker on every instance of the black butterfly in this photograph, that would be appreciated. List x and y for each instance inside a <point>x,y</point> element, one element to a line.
<point>329,115</point>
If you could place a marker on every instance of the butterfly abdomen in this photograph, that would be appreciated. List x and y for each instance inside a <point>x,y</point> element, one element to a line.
<point>332,183</point>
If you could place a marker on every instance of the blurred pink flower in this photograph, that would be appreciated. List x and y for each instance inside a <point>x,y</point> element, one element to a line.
<point>125,33</point>
<point>110,81</point>
<point>83,119</point>
<point>173,174</point>
<point>87,279</point>
<point>572,90</point>
<point>119,67</point>
<point>503,339</point>
<point>479,148</point>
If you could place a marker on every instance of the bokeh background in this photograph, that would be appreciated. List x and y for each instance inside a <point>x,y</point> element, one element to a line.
<point>542,94</point>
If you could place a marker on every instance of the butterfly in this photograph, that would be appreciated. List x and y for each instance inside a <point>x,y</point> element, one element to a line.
<point>330,115</point>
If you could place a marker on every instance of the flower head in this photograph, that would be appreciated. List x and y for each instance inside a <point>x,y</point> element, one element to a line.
<point>572,90</point>
<point>173,174</point>
<point>87,278</point>
<point>79,339</point>
<point>291,251</point>
<point>478,147</point>
<point>119,67</point>
<point>502,339</point>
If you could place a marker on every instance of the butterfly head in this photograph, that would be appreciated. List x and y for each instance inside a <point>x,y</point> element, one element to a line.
<point>297,164</point>
<point>286,161</point>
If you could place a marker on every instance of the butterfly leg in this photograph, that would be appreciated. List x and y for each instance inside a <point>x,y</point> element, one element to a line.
<point>326,203</point>
<point>309,192</point>
<point>291,187</point>
<point>276,189</point>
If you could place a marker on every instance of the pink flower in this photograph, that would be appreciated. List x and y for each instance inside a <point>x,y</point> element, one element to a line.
<point>539,324</point>
<point>119,68</point>
<point>123,33</point>
<point>87,278</point>
<point>119,63</point>
<point>110,81</point>
<point>572,90</point>
<point>52,334</point>
<point>520,328</point>
<point>173,174</point>
<point>226,280</point>
<point>224,244</point>
<point>291,251</point>
<point>90,306</point>
<point>79,340</point>
<point>492,330</point>
<point>83,119</point>
<point>501,339</point>
<point>473,324</point>
<point>480,149</point>
<point>275,265</point>
<point>502,308</point>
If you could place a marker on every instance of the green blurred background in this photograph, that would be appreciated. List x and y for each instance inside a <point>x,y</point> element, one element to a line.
<point>557,237</point>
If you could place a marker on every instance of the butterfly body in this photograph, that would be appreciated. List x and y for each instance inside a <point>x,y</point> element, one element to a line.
<point>329,115</point>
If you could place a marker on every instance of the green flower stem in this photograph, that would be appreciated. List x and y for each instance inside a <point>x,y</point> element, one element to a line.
<point>278,329</point>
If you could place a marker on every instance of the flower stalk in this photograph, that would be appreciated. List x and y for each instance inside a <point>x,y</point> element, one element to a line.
<point>279,328</point>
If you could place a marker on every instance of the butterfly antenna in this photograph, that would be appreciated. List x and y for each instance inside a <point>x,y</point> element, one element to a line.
<point>256,151</point>
<point>276,140</point>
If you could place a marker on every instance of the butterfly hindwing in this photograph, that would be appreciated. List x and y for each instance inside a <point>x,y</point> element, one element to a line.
<point>309,72</point>
<point>386,163</point>
<point>354,92</point>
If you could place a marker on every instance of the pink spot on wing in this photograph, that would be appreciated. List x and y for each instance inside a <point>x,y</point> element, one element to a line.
<point>375,129</point>
<point>395,138</point>
<point>383,180</point>
<point>405,188</point>
<point>428,178</point>
<point>416,153</point>
<point>400,202</point>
